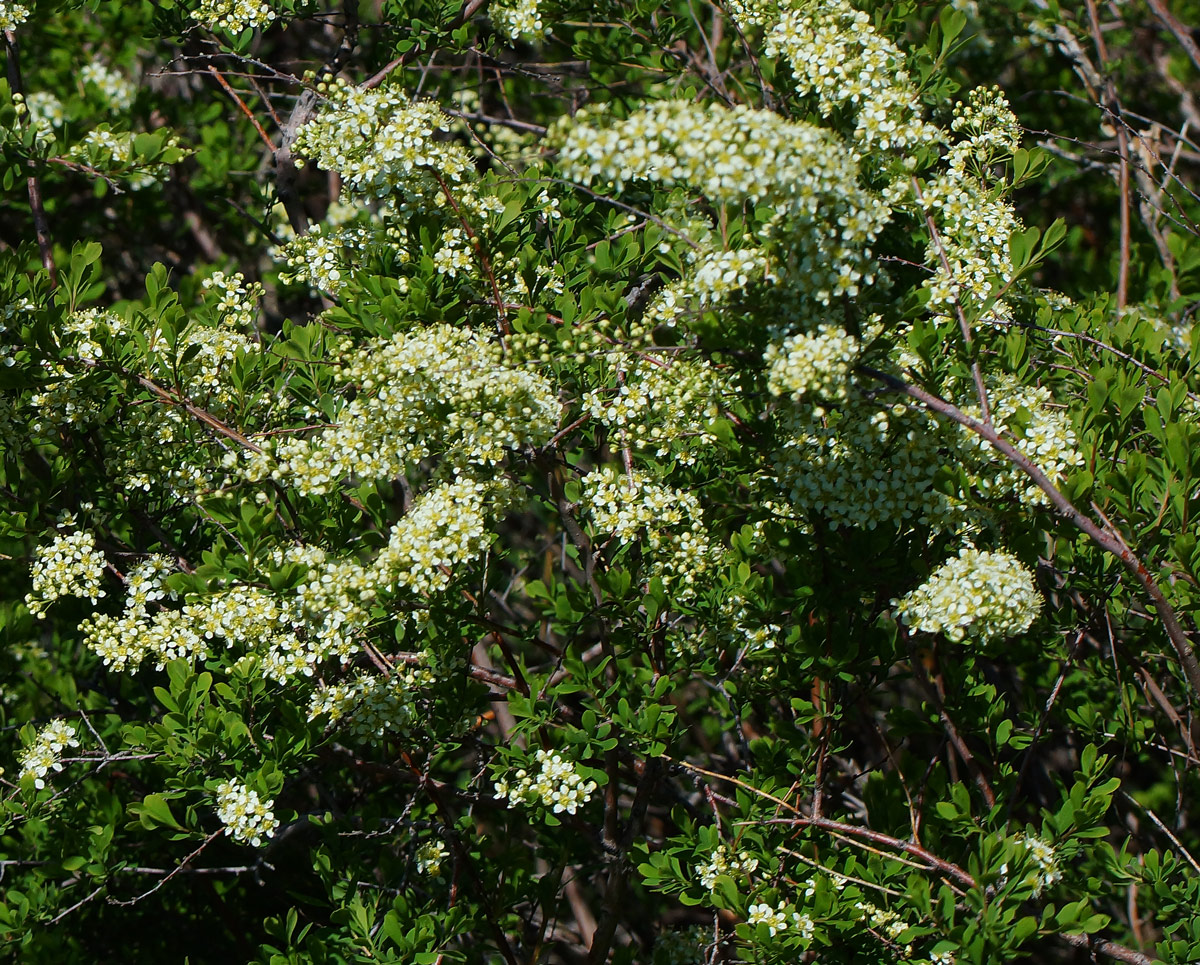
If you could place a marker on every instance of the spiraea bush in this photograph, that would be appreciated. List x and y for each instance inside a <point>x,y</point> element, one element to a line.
<point>538,482</point>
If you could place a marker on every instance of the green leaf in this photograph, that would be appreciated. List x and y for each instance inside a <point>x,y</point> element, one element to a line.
<point>154,811</point>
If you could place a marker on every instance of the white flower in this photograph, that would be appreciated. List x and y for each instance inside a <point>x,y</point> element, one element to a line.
<point>773,918</point>
<point>115,86</point>
<point>520,18</point>
<point>723,863</point>
<point>986,596</point>
<point>12,15</point>
<point>69,566</point>
<point>245,817</point>
<point>441,390</point>
<point>233,16</point>
<point>430,856</point>
<point>1045,860</point>
<point>667,523</point>
<point>814,365</point>
<point>556,785</point>
<point>42,756</point>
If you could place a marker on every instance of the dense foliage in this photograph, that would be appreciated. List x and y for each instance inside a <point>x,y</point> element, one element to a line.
<point>536,482</point>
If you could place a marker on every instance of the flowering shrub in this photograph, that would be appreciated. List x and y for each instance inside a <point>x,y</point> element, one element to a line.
<point>516,482</point>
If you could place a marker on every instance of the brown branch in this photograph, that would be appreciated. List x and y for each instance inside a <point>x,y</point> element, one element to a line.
<point>1090,340</point>
<point>618,878</point>
<point>933,862</point>
<point>75,907</point>
<point>242,104</point>
<point>1114,106</point>
<point>197,413</point>
<point>41,224</point>
<point>178,868</point>
<point>1111,949</point>
<point>1109,541</point>
<point>1178,31</point>
<point>484,262</point>
<point>286,173</point>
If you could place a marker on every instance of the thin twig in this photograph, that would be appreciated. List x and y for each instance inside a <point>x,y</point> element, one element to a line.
<point>242,104</point>
<point>79,904</point>
<point>41,224</point>
<point>178,868</point>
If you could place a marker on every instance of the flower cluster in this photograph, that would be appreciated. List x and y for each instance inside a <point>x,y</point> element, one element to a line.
<point>860,466</point>
<point>114,86</point>
<point>430,856</point>
<point>722,862</point>
<point>1045,862</point>
<point>836,53</point>
<point>443,390</point>
<point>982,595</point>
<point>245,615</point>
<point>989,129</point>
<point>519,19</point>
<point>668,523</point>
<point>116,156</point>
<point>1024,414</point>
<point>885,921</point>
<point>661,404</point>
<point>43,755</point>
<point>974,228</point>
<point>779,918</point>
<point>556,784</point>
<point>447,525</point>
<point>970,256</point>
<point>233,301</point>
<point>69,566</point>
<point>322,617</point>
<point>716,277</point>
<point>455,253</point>
<point>728,154</point>
<point>381,142</point>
<point>168,454</point>
<point>246,818</point>
<point>814,365</point>
<point>66,398</point>
<point>316,258</point>
<point>824,217</point>
<point>12,15</point>
<point>374,707</point>
<point>125,641</point>
<point>46,111</point>
<point>233,16</point>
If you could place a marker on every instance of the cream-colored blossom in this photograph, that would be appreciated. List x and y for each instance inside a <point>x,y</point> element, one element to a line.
<point>441,390</point>
<point>246,817</point>
<point>723,862</point>
<point>815,365</point>
<point>233,16</point>
<point>70,565</point>
<point>42,757</point>
<point>372,707</point>
<point>12,15</point>
<point>982,595</point>
<point>667,523</point>
<point>556,784</point>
